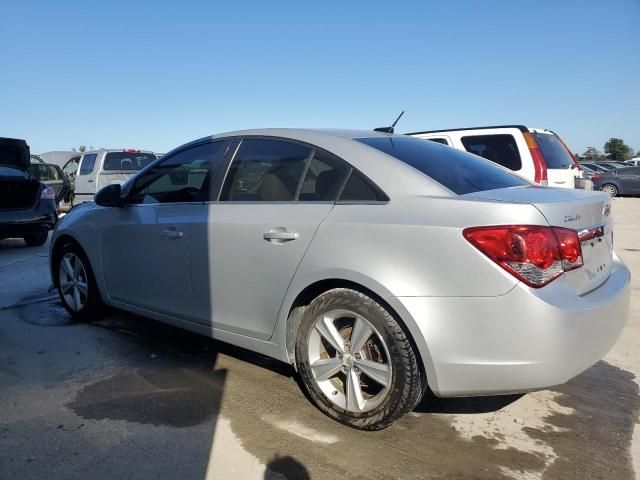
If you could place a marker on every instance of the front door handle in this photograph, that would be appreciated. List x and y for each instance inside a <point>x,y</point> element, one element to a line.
<point>279,235</point>
<point>171,234</point>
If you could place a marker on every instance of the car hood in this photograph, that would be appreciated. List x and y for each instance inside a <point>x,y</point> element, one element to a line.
<point>14,153</point>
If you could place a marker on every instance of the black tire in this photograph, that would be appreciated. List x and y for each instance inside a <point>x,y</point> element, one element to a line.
<point>93,303</point>
<point>36,239</point>
<point>407,383</point>
<point>610,188</point>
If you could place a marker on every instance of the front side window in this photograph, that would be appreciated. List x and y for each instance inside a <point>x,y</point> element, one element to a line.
<point>323,179</point>
<point>501,149</point>
<point>265,171</point>
<point>183,177</point>
<point>88,162</point>
<point>454,169</point>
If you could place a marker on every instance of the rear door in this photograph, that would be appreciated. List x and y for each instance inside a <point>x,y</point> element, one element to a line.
<point>248,244</point>
<point>52,176</point>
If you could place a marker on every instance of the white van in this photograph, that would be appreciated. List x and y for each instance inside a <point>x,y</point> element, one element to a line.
<point>98,168</point>
<point>537,154</point>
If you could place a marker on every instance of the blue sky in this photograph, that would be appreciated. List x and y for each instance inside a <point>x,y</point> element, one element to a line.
<point>156,74</point>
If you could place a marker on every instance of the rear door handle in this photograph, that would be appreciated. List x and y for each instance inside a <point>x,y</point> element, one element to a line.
<point>171,234</point>
<point>279,235</point>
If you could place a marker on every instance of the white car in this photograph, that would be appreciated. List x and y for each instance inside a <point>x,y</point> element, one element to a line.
<point>98,168</point>
<point>537,154</point>
<point>378,265</point>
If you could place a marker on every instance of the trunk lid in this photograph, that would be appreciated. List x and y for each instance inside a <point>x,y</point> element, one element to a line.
<point>586,212</point>
<point>19,191</point>
<point>14,153</point>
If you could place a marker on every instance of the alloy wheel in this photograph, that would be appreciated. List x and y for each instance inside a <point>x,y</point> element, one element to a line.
<point>610,189</point>
<point>349,361</point>
<point>73,284</point>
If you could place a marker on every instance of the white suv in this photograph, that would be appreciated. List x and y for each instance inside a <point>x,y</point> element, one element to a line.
<point>537,154</point>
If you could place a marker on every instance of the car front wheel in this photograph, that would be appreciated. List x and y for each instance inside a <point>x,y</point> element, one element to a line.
<point>355,361</point>
<point>76,283</point>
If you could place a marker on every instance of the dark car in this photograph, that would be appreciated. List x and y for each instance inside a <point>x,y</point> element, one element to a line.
<point>621,181</point>
<point>27,206</point>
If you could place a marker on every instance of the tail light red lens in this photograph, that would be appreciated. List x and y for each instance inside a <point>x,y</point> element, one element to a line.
<point>539,165</point>
<point>596,177</point>
<point>48,194</point>
<point>536,255</point>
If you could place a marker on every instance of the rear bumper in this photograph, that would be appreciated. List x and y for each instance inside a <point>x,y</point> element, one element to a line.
<point>19,223</point>
<point>525,340</point>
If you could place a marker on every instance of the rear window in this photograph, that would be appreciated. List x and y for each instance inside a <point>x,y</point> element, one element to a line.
<point>129,161</point>
<point>457,170</point>
<point>501,149</point>
<point>554,152</point>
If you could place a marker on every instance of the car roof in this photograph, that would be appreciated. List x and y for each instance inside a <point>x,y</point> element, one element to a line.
<point>522,128</point>
<point>306,133</point>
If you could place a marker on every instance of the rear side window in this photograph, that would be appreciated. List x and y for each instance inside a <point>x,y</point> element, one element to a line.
<point>265,171</point>
<point>554,152</point>
<point>501,149</point>
<point>443,141</point>
<point>456,170</point>
<point>323,179</point>
<point>88,162</point>
<point>127,161</point>
<point>360,189</point>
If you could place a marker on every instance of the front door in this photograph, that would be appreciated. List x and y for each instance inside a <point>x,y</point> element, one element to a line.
<point>630,180</point>
<point>248,245</point>
<point>85,188</point>
<point>145,245</point>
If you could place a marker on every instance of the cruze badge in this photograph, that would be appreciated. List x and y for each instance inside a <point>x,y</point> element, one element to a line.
<point>572,218</point>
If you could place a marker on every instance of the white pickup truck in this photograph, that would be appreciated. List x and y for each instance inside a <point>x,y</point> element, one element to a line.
<point>98,168</point>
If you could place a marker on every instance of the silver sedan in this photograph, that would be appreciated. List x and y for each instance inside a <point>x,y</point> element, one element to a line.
<point>378,265</point>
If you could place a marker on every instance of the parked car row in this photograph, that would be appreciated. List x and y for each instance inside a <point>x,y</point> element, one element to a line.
<point>615,178</point>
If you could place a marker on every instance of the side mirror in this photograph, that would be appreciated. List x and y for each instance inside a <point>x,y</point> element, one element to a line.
<point>109,196</point>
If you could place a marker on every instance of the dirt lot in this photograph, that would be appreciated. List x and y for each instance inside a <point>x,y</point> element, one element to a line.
<point>125,397</point>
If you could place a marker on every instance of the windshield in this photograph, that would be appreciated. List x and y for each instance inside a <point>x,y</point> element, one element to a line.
<point>129,161</point>
<point>459,171</point>
<point>554,152</point>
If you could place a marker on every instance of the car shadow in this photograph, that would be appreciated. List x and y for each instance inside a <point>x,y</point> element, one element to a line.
<point>464,405</point>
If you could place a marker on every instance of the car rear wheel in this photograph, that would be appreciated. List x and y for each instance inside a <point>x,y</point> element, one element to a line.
<point>609,188</point>
<point>356,362</point>
<point>36,239</point>
<point>76,283</point>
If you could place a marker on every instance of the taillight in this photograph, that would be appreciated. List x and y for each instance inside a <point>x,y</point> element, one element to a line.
<point>534,254</point>
<point>596,177</point>
<point>48,194</point>
<point>539,165</point>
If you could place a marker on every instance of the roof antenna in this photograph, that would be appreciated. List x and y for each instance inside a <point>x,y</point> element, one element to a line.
<point>391,128</point>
